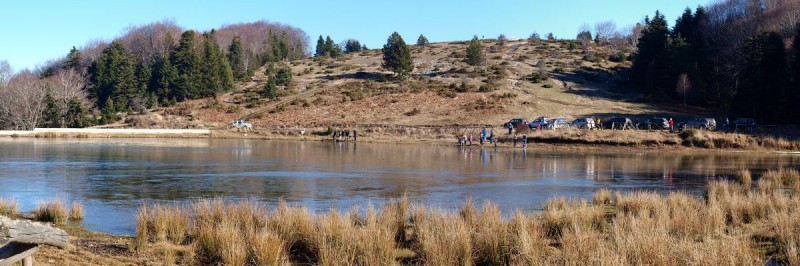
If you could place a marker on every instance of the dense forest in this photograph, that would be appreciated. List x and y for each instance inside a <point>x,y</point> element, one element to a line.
<point>157,64</point>
<point>738,56</point>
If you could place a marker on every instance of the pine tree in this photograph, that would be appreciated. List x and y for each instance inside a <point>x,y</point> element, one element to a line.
<point>236,55</point>
<point>73,60</point>
<point>794,89</point>
<point>474,52</point>
<point>109,113</point>
<point>396,56</point>
<point>165,77</point>
<point>763,80</point>
<point>186,61</point>
<point>320,49</point>
<point>113,76</point>
<point>648,69</point>
<point>77,116</point>
<point>283,76</point>
<point>352,46</point>
<point>422,40</point>
<point>270,89</point>
<point>52,114</point>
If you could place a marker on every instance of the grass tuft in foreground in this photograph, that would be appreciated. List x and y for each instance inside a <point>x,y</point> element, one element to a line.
<point>735,223</point>
<point>52,211</point>
<point>8,207</point>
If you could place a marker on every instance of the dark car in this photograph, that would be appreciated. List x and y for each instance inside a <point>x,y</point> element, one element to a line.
<point>655,123</point>
<point>516,121</point>
<point>745,124</point>
<point>617,123</point>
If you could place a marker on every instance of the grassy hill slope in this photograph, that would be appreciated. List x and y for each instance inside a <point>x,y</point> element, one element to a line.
<point>355,90</point>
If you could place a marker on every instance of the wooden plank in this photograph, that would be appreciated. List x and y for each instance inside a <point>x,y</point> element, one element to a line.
<point>16,252</point>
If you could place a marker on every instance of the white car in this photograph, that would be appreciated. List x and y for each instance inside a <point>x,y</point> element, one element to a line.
<point>583,123</point>
<point>241,124</point>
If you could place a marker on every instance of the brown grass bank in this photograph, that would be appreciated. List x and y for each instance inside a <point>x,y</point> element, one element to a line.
<point>735,223</point>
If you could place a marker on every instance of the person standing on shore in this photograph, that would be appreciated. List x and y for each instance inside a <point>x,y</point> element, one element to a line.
<point>355,135</point>
<point>524,141</point>
<point>470,139</point>
<point>493,138</point>
<point>671,125</point>
<point>510,127</point>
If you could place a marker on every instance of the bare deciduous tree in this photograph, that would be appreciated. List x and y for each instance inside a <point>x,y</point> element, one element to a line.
<point>683,85</point>
<point>153,40</point>
<point>6,71</point>
<point>635,34</point>
<point>22,102</point>
<point>604,30</point>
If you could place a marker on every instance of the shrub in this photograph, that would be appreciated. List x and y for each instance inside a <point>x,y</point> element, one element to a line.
<point>487,88</point>
<point>413,112</point>
<point>537,77</point>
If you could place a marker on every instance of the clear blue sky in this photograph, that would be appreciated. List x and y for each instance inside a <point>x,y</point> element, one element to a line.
<point>35,31</point>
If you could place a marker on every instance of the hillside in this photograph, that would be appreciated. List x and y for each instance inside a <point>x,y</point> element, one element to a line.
<point>355,90</point>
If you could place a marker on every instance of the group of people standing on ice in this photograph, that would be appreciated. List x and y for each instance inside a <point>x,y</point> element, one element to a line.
<point>486,136</point>
<point>344,135</point>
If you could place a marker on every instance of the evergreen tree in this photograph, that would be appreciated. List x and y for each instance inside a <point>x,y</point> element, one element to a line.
<point>648,67</point>
<point>283,76</point>
<point>165,76</point>
<point>763,80</point>
<point>422,40</point>
<point>396,56</point>
<point>475,52</point>
<point>113,76</point>
<point>77,116</point>
<point>329,46</point>
<point>794,89</point>
<point>364,47</point>
<point>352,46</point>
<point>320,49</point>
<point>73,60</point>
<point>236,56</point>
<point>108,112</point>
<point>186,61</point>
<point>216,75</point>
<point>52,114</point>
<point>270,89</point>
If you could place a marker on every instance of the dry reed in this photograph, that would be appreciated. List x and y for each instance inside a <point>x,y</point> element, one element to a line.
<point>9,208</point>
<point>734,224</point>
<point>52,211</point>
<point>76,211</point>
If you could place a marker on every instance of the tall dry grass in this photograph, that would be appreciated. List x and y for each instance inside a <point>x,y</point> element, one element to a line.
<point>52,211</point>
<point>9,208</point>
<point>733,224</point>
<point>76,211</point>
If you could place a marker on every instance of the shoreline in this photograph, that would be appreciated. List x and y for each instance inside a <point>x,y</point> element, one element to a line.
<point>573,140</point>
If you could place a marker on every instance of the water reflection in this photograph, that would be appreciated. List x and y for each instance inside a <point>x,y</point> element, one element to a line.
<point>113,176</point>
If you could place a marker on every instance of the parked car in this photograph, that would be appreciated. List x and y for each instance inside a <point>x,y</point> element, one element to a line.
<point>558,123</point>
<point>240,124</point>
<point>583,123</point>
<point>617,123</point>
<point>700,123</point>
<point>540,121</point>
<point>516,121</point>
<point>655,123</point>
<point>746,124</point>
